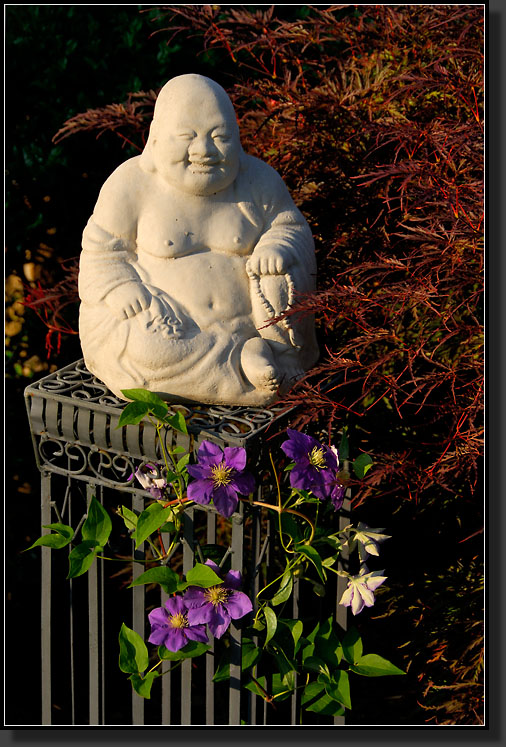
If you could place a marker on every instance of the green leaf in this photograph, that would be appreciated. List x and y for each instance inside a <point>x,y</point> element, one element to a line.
<point>279,687</point>
<point>314,556</point>
<point>283,662</point>
<point>142,685</point>
<point>372,665</point>
<point>315,699</point>
<point>169,526</point>
<point>361,465</point>
<point>129,517</point>
<point>291,528</point>
<point>150,520</point>
<point>201,575</point>
<point>352,646</point>
<point>162,575</point>
<point>344,446</point>
<point>338,688</point>
<point>145,396</point>
<point>81,558</point>
<point>133,654</point>
<point>62,529</point>
<point>133,414</point>
<point>183,461</point>
<point>258,689</point>
<point>272,623</point>
<point>192,649</point>
<point>288,680</point>
<point>250,654</point>
<point>98,524</point>
<point>315,664</point>
<point>62,537</point>
<point>222,673</point>
<point>55,541</point>
<point>326,642</point>
<point>285,589</point>
<point>295,627</point>
<point>177,422</point>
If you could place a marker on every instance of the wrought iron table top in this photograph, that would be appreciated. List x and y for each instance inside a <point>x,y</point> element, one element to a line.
<point>231,423</point>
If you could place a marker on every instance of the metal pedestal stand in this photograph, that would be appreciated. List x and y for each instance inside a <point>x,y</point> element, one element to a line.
<point>80,454</point>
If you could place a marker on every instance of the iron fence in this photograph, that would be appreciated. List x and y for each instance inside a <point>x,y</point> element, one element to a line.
<point>81,453</point>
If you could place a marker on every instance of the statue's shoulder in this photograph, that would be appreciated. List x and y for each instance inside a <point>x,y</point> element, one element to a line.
<point>265,185</point>
<point>118,203</point>
<point>260,172</point>
<point>124,178</point>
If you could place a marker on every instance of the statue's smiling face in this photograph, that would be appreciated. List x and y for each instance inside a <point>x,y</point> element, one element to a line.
<point>195,141</point>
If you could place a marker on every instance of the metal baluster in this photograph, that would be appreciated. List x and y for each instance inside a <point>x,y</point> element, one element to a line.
<point>138,611</point>
<point>46,602</point>
<point>295,699</point>
<point>186,671</point>
<point>93,631</point>
<point>341,611</point>
<point>234,716</point>
<point>255,560</point>
<point>167,676</point>
<point>102,625</point>
<point>211,540</point>
<point>271,529</point>
<point>71,627</point>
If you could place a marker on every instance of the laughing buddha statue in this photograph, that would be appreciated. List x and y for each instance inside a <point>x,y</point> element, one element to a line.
<point>192,248</point>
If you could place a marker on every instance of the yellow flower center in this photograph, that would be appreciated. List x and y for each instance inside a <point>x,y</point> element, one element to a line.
<point>179,620</point>
<point>216,594</point>
<point>317,458</point>
<point>221,474</point>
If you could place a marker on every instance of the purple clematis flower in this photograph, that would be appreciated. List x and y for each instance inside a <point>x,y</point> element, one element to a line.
<point>170,626</point>
<point>146,474</point>
<point>218,605</point>
<point>316,467</point>
<point>220,475</point>
<point>359,592</point>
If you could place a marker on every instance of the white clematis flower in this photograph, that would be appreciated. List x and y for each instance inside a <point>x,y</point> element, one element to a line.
<point>359,592</point>
<point>367,539</point>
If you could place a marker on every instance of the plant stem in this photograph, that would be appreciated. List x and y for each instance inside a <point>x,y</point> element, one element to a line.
<point>282,510</point>
<point>280,506</point>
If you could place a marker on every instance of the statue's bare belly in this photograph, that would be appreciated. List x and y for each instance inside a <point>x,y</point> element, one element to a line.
<point>210,286</point>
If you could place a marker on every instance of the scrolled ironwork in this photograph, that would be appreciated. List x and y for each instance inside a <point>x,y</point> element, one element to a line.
<point>120,466</point>
<point>61,454</point>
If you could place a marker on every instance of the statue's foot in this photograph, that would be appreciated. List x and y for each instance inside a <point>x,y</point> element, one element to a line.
<point>291,372</point>
<point>257,363</point>
<point>288,365</point>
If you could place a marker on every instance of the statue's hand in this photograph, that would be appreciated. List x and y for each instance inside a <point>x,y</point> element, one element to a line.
<point>269,261</point>
<point>128,299</point>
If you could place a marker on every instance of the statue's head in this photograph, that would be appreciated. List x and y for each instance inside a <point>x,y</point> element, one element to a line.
<point>194,137</point>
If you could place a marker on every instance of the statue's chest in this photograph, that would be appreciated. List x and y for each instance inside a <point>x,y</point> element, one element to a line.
<point>177,230</point>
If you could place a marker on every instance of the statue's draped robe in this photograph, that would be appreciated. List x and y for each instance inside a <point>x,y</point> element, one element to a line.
<point>201,364</point>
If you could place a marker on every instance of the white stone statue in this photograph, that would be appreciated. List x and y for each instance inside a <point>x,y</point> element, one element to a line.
<point>192,247</point>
